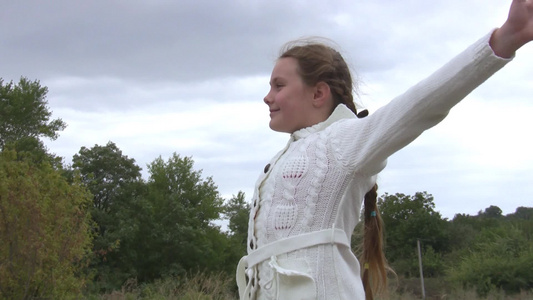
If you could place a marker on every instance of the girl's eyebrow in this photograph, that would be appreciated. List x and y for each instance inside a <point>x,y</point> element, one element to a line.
<point>277,78</point>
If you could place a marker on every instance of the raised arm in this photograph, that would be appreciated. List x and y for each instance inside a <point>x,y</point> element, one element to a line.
<point>365,144</point>
<point>516,31</point>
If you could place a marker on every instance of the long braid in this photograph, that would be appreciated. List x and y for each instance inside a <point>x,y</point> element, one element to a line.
<point>372,258</point>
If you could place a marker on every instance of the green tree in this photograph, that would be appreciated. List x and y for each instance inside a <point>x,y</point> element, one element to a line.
<point>105,170</point>
<point>24,112</point>
<point>44,229</point>
<point>115,181</point>
<point>492,212</point>
<point>237,211</point>
<point>407,219</point>
<point>463,228</point>
<point>32,149</point>
<point>173,223</point>
<point>522,213</point>
<point>523,218</point>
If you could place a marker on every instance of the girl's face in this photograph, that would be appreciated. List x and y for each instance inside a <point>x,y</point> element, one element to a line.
<point>289,100</point>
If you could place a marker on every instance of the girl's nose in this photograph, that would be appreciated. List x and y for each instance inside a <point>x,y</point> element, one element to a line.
<point>268,98</point>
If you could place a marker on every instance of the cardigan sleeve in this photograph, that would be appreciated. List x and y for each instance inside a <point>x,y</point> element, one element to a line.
<point>363,145</point>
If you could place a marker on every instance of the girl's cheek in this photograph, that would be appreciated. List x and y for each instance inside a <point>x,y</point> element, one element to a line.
<point>278,96</point>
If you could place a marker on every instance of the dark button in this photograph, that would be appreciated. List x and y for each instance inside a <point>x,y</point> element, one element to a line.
<point>362,113</point>
<point>267,167</point>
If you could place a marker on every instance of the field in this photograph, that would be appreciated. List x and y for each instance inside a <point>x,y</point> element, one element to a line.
<point>222,287</point>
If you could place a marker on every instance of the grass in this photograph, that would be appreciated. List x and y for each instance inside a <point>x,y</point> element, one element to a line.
<point>439,288</point>
<point>195,287</point>
<point>222,287</point>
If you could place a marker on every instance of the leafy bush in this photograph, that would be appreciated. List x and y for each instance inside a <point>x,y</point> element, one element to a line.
<point>44,229</point>
<point>502,258</point>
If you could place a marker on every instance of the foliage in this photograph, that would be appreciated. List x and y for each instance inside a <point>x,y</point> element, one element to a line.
<point>44,229</point>
<point>237,210</point>
<point>105,170</point>
<point>24,112</point>
<point>522,219</point>
<point>407,219</point>
<point>487,252</point>
<point>175,230</point>
<point>492,212</point>
<point>151,235</point>
<point>115,181</point>
<point>500,258</point>
<point>161,227</point>
<point>154,228</point>
<point>463,229</point>
<point>177,182</point>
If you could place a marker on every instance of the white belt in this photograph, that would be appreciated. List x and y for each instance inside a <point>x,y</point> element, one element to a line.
<point>286,245</point>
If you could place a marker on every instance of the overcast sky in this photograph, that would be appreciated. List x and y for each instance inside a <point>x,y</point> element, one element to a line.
<point>158,77</point>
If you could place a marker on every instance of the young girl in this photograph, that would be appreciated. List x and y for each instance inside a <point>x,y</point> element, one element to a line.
<point>309,197</point>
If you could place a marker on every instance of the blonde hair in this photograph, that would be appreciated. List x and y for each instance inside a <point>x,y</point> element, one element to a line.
<point>319,62</point>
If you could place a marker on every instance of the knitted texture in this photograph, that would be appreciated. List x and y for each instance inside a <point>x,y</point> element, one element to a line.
<point>319,179</point>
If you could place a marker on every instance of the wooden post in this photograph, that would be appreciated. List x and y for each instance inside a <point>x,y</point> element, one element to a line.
<point>421,271</point>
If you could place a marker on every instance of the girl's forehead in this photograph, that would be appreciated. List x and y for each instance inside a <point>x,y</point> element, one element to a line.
<point>285,68</point>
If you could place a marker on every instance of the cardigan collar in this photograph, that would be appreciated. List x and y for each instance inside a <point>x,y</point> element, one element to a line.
<point>340,112</point>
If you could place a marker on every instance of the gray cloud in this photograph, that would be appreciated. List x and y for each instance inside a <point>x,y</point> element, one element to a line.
<point>162,76</point>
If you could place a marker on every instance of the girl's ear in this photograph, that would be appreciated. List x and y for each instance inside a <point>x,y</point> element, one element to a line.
<point>322,95</point>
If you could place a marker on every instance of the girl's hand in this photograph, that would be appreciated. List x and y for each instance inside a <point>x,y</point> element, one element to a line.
<point>516,31</point>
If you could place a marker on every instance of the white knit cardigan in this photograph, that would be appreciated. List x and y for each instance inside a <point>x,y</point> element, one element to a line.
<point>317,183</point>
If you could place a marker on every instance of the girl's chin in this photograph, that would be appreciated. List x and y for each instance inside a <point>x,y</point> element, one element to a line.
<point>278,128</point>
